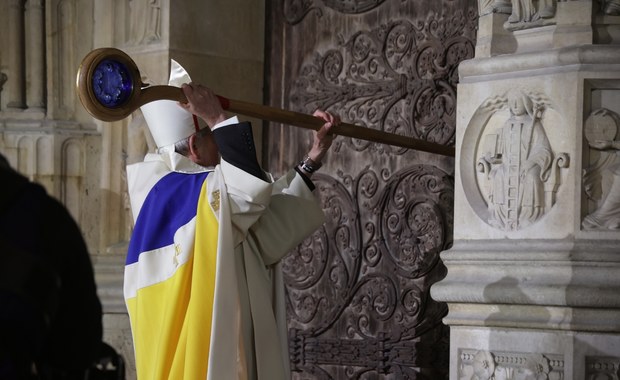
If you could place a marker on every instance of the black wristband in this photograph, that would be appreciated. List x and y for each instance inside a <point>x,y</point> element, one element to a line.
<point>308,165</point>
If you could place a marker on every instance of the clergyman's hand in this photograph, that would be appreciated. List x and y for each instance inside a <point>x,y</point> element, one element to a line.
<point>202,102</point>
<point>323,138</point>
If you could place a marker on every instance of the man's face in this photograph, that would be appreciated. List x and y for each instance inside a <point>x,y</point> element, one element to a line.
<point>209,154</point>
<point>517,107</point>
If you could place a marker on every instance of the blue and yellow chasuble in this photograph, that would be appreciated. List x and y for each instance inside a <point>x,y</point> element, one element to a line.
<point>169,290</point>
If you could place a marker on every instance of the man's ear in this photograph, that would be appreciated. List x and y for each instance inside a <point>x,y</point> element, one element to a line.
<point>194,152</point>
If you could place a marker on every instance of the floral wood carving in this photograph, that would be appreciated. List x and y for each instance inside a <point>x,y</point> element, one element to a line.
<point>358,289</point>
<point>400,78</point>
<point>296,10</point>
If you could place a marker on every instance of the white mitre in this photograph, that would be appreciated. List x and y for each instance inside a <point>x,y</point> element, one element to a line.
<point>167,121</point>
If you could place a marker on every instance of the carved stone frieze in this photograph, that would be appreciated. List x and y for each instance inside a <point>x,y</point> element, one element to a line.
<point>358,288</point>
<point>517,165</point>
<point>491,365</point>
<point>602,367</point>
<point>400,77</point>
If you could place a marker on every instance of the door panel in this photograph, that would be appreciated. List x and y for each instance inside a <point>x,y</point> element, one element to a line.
<point>358,302</point>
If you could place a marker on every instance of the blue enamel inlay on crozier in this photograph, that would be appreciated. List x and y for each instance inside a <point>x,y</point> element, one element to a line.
<point>112,84</point>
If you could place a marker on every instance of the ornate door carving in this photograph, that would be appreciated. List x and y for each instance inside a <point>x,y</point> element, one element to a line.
<point>358,302</point>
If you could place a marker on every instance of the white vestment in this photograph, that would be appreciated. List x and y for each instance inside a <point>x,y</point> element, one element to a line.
<point>259,222</point>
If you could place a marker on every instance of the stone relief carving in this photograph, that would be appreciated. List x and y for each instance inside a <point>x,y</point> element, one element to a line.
<point>400,77</point>
<point>296,10</point>
<point>486,365</point>
<point>527,14</point>
<point>494,6</point>
<point>610,7</point>
<point>519,165</point>
<point>145,25</point>
<point>598,367</point>
<point>602,177</point>
<point>361,282</point>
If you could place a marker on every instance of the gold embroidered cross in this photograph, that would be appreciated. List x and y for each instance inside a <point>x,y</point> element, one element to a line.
<point>215,203</point>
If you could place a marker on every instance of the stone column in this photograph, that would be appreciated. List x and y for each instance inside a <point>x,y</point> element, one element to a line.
<point>35,56</point>
<point>532,285</point>
<point>15,48</point>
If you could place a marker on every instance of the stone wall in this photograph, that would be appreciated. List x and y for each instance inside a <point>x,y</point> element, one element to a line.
<point>47,134</point>
<point>531,287</point>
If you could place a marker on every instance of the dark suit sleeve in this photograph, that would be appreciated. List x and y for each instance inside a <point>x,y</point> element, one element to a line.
<point>236,145</point>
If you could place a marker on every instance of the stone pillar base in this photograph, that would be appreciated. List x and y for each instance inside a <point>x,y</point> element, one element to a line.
<point>495,353</point>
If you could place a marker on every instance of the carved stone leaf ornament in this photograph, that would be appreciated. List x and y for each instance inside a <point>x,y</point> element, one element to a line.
<point>400,78</point>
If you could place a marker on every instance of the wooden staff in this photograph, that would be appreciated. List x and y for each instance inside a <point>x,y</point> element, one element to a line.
<point>109,87</point>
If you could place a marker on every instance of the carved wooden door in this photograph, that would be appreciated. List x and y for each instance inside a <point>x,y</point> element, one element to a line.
<point>358,302</point>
